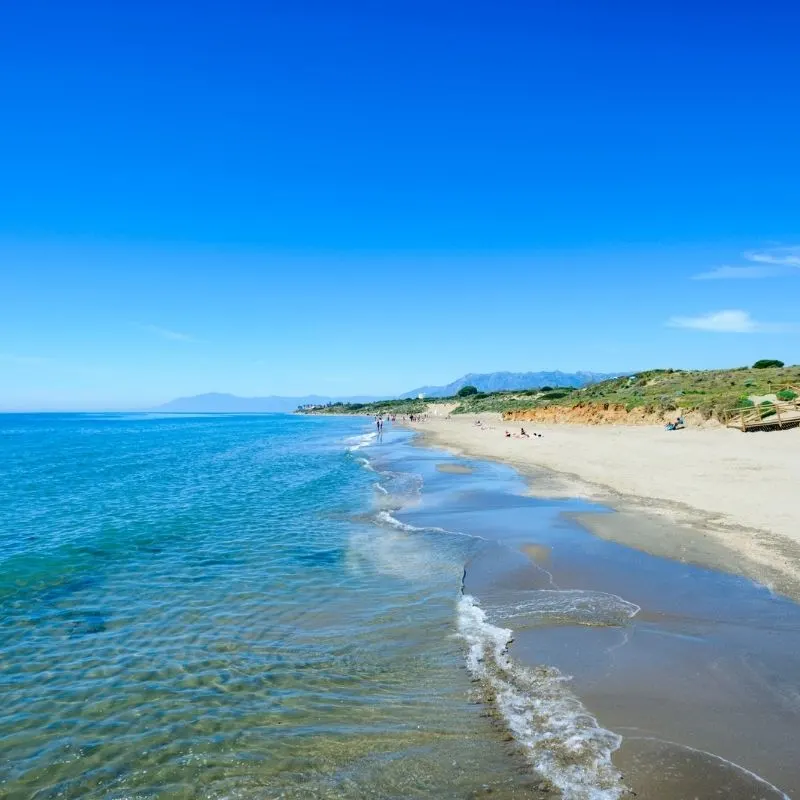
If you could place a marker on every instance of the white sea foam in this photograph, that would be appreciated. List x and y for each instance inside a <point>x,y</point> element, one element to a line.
<point>563,741</point>
<point>387,518</point>
<point>358,442</point>
<point>576,606</point>
<point>395,553</point>
<point>367,464</point>
<point>406,487</point>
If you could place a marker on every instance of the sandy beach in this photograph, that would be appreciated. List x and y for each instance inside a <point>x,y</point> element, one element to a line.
<point>714,497</point>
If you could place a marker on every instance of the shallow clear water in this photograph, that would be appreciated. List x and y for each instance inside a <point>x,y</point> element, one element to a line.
<point>277,606</point>
<point>209,607</point>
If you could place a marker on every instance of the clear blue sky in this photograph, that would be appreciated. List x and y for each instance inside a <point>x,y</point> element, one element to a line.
<point>362,197</point>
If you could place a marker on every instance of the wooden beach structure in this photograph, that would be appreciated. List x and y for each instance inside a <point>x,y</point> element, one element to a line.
<point>775,416</point>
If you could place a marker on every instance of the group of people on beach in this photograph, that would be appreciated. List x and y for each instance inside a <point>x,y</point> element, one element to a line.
<point>523,434</point>
<point>381,419</point>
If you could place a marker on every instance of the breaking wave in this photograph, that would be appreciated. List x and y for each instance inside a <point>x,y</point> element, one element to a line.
<point>563,742</point>
<point>561,739</point>
<point>358,442</point>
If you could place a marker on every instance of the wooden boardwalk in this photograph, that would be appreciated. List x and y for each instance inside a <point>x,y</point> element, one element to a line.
<point>777,416</point>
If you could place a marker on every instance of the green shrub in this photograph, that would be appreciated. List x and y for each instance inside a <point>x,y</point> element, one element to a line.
<point>766,363</point>
<point>744,402</point>
<point>766,409</point>
<point>786,395</point>
<point>466,391</point>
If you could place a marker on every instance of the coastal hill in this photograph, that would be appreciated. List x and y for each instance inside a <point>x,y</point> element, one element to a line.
<point>656,396</point>
<point>507,381</point>
<point>648,397</point>
<point>215,402</point>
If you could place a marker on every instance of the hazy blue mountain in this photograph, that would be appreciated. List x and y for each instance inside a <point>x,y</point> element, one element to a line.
<point>215,402</point>
<point>503,381</point>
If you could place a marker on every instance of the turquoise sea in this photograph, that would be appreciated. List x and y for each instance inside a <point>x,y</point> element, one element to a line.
<point>285,606</point>
<point>210,607</point>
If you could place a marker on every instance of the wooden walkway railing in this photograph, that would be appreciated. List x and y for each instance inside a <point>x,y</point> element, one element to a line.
<point>775,416</point>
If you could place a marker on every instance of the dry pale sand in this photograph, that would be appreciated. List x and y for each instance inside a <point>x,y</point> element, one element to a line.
<point>718,497</point>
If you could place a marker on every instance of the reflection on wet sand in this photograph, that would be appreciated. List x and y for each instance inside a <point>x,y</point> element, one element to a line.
<point>454,469</point>
<point>694,669</point>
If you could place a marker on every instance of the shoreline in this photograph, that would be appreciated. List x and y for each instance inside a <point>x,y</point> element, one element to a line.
<point>667,656</point>
<point>714,498</point>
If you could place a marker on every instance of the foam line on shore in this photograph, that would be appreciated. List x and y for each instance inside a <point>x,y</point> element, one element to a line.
<point>563,742</point>
<point>561,739</point>
<point>363,440</point>
<point>738,767</point>
<point>578,606</point>
<point>387,518</point>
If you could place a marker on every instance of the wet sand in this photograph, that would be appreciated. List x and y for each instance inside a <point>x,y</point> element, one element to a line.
<point>717,498</point>
<point>697,670</point>
<point>454,469</point>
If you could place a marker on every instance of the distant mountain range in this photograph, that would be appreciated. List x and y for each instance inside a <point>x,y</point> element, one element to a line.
<point>215,402</point>
<point>506,381</point>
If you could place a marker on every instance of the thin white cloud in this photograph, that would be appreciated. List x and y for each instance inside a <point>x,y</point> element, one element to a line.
<point>166,333</point>
<point>740,273</point>
<point>28,361</point>
<point>771,262</point>
<point>730,321</point>
<point>779,256</point>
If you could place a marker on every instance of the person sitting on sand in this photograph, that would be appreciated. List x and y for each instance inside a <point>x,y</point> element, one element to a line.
<point>522,433</point>
<point>508,435</point>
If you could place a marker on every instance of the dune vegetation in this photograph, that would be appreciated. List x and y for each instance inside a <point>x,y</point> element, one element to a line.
<point>712,393</point>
